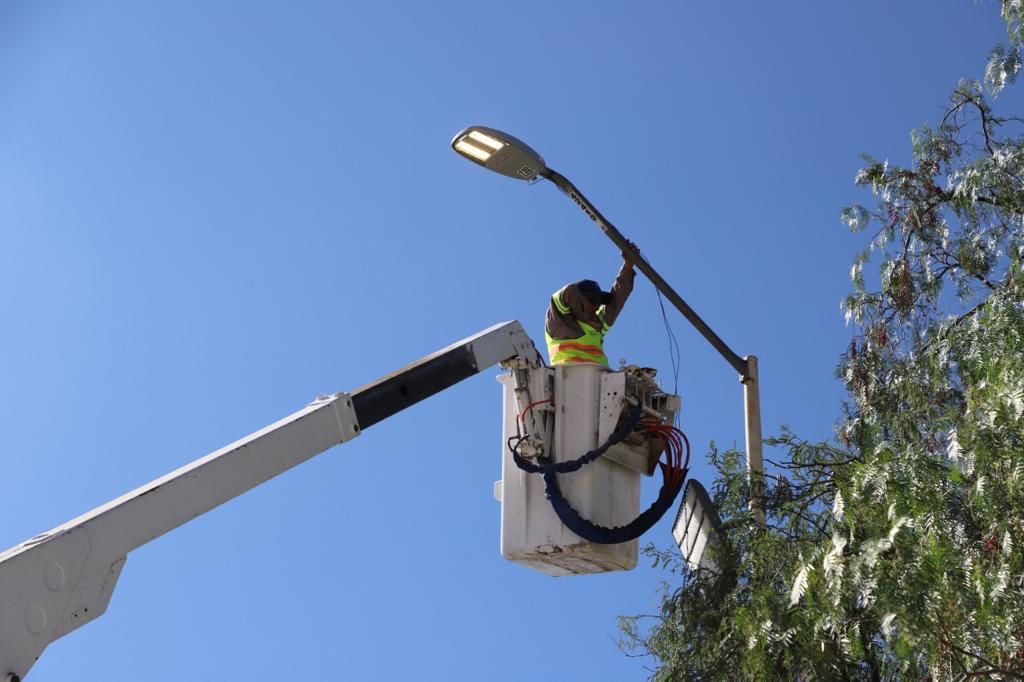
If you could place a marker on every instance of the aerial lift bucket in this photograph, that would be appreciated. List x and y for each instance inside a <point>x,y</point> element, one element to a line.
<point>572,409</point>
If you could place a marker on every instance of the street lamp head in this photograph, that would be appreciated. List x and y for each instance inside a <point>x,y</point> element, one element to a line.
<point>697,527</point>
<point>499,152</point>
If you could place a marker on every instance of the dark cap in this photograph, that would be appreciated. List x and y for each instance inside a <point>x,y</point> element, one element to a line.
<point>591,291</point>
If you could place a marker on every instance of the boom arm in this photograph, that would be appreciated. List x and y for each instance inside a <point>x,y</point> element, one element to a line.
<point>62,579</point>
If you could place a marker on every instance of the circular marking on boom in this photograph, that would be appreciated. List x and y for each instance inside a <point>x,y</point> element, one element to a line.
<point>35,619</point>
<point>55,578</point>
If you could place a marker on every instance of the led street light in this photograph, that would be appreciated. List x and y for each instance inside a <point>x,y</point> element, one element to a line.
<point>499,152</point>
<point>696,527</point>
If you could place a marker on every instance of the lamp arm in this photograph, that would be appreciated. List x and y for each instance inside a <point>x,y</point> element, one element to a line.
<point>560,181</point>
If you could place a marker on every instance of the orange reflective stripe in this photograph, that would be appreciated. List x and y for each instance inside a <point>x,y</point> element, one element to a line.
<point>581,346</point>
<point>588,348</point>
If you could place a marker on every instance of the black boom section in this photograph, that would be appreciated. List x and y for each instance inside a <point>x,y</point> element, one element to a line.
<point>411,384</point>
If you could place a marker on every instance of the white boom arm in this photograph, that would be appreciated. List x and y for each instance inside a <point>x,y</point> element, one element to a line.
<point>62,579</point>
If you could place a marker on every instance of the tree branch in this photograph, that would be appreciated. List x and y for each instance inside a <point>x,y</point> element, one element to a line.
<point>982,672</point>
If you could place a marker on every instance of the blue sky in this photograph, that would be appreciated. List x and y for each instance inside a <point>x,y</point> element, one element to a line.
<point>211,213</point>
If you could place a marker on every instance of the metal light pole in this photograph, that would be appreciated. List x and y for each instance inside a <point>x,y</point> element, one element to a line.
<point>504,154</point>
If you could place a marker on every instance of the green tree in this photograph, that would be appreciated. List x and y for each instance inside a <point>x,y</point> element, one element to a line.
<point>896,550</point>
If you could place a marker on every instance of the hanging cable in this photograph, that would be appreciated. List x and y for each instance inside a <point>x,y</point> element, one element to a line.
<point>532,405</point>
<point>673,470</point>
<point>673,345</point>
<point>572,465</point>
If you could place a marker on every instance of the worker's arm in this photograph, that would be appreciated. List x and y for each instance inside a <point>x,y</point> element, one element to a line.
<point>565,326</point>
<point>620,291</point>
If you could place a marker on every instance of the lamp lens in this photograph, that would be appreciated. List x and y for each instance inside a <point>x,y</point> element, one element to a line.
<point>486,140</point>
<point>472,150</point>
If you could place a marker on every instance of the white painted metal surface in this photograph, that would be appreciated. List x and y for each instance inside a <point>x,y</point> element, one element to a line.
<point>604,491</point>
<point>64,578</point>
<point>635,452</point>
<point>506,343</point>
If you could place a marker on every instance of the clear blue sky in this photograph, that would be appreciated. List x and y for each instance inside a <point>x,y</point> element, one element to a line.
<point>212,212</point>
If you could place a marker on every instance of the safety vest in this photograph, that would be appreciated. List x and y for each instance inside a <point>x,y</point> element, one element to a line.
<point>588,348</point>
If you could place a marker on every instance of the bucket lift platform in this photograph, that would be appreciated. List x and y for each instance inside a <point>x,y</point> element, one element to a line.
<point>566,411</point>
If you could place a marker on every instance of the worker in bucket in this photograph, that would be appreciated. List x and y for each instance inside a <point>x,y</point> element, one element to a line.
<point>580,314</point>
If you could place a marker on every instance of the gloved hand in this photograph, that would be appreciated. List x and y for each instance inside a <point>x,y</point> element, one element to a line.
<point>626,258</point>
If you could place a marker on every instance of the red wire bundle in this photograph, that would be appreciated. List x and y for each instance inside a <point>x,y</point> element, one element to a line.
<point>676,445</point>
<point>529,407</point>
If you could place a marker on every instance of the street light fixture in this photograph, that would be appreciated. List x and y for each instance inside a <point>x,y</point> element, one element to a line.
<point>504,154</point>
<point>696,528</point>
<point>501,153</point>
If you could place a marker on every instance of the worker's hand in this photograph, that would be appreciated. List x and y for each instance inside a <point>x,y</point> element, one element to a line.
<point>626,258</point>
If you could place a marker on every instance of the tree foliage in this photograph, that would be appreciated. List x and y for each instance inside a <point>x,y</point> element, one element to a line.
<point>896,550</point>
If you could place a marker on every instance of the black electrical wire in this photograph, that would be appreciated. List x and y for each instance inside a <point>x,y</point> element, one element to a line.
<point>601,534</point>
<point>572,465</point>
<point>673,346</point>
<point>674,475</point>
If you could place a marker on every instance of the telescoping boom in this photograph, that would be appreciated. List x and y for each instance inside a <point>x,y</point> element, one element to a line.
<point>60,580</point>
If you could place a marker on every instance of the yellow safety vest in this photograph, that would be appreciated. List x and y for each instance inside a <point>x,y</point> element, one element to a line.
<point>588,348</point>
